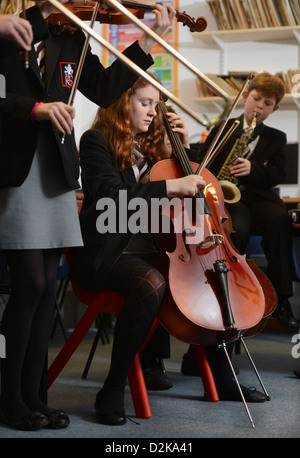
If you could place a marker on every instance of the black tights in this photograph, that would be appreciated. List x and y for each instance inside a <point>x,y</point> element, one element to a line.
<point>26,325</point>
<point>144,289</point>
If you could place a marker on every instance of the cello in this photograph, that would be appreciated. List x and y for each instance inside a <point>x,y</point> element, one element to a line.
<point>215,294</point>
<point>207,302</point>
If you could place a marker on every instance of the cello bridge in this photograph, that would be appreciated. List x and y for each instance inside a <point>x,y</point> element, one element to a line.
<point>211,241</point>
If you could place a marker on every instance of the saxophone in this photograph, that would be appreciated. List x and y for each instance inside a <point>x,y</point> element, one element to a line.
<point>228,182</point>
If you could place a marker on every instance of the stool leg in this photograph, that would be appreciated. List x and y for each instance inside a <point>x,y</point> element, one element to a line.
<point>91,354</point>
<point>73,342</point>
<point>207,377</point>
<point>138,389</point>
<point>136,381</point>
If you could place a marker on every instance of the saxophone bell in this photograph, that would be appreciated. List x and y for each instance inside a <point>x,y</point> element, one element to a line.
<point>231,192</point>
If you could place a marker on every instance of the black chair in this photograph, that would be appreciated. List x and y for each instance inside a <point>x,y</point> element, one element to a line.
<point>62,285</point>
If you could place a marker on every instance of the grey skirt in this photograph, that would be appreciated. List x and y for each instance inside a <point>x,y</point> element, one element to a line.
<point>42,213</point>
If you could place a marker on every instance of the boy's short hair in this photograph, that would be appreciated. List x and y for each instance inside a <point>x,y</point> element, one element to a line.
<point>269,85</point>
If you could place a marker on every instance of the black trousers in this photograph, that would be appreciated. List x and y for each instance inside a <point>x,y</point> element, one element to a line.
<point>272,221</point>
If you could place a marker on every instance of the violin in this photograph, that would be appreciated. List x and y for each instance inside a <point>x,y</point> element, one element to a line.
<point>213,295</point>
<point>84,12</point>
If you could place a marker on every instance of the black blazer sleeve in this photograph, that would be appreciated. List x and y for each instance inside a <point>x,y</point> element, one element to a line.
<point>103,86</point>
<point>101,179</point>
<point>267,159</point>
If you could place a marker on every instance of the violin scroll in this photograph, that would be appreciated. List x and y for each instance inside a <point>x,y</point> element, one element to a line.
<point>195,26</point>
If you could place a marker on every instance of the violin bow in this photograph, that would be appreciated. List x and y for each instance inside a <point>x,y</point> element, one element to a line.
<point>25,52</point>
<point>208,156</point>
<point>81,62</point>
<point>137,69</point>
<point>178,56</point>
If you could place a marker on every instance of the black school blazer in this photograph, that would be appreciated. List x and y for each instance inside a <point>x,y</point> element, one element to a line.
<point>90,265</point>
<point>24,88</point>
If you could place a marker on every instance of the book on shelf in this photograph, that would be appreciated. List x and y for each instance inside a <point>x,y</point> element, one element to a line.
<point>233,82</point>
<point>245,14</point>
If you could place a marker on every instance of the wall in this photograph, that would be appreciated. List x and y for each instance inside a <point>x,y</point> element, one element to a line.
<point>249,56</point>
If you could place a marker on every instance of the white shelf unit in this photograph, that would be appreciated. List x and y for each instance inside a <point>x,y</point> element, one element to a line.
<point>222,39</point>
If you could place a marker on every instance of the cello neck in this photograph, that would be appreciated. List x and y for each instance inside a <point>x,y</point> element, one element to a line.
<point>176,142</point>
<point>181,154</point>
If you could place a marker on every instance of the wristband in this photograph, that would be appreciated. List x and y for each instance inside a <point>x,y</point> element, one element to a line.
<point>32,114</point>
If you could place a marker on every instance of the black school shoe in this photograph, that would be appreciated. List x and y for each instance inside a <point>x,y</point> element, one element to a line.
<point>155,376</point>
<point>250,395</point>
<point>58,419</point>
<point>33,422</point>
<point>189,364</point>
<point>284,315</point>
<point>108,416</point>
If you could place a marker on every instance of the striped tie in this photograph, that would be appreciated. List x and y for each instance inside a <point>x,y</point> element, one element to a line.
<point>144,171</point>
<point>40,51</point>
<point>141,168</point>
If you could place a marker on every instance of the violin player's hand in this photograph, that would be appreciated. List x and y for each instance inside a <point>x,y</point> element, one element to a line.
<point>241,167</point>
<point>164,18</point>
<point>60,114</point>
<point>187,186</point>
<point>16,29</point>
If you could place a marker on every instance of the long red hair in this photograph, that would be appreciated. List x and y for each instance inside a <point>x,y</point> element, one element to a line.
<point>114,123</point>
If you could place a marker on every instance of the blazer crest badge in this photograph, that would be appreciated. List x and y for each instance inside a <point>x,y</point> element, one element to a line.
<point>67,73</point>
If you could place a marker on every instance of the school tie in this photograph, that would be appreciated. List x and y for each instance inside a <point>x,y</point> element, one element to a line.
<point>40,51</point>
<point>144,171</point>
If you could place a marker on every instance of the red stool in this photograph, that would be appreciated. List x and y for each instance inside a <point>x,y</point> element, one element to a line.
<point>136,374</point>
<point>108,302</point>
<point>112,302</point>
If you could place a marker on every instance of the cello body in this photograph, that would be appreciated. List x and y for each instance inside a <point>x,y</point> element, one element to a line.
<point>194,309</point>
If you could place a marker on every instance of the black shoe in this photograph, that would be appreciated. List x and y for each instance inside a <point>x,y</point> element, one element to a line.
<point>108,417</point>
<point>284,314</point>
<point>58,419</point>
<point>250,395</point>
<point>297,372</point>
<point>155,376</point>
<point>189,365</point>
<point>33,422</point>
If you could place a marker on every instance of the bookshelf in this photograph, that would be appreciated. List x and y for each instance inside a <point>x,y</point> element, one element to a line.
<point>222,38</point>
<point>225,39</point>
<point>260,34</point>
<point>287,103</point>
